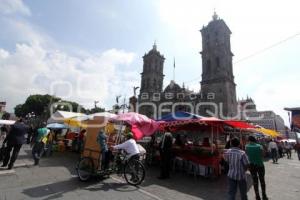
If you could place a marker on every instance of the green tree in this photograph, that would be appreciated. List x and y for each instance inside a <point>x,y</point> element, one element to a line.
<point>95,110</point>
<point>42,105</point>
<point>6,116</point>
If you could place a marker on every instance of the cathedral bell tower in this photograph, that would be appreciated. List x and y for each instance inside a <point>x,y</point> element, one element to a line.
<point>152,78</point>
<point>217,73</point>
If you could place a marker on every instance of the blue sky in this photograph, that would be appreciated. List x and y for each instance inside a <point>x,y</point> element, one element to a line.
<point>92,50</point>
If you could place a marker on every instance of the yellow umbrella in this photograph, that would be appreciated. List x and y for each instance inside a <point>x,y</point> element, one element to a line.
<point>77,121</point>
<point>268,132</point>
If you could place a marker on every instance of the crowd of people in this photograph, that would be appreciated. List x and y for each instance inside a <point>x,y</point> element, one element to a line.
<point>251,157</point>
<point>41,140</point>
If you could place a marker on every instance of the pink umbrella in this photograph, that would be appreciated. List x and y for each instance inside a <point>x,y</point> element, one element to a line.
<point>141,125</point>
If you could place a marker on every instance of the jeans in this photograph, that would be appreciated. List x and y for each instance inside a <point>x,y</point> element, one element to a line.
<point>258,172</point>
<point>11,159</point>
<point>274,155</point>
<point>289,153</point>
<point>233,185</point>
<point>105,158</point>
<point>37,152</point>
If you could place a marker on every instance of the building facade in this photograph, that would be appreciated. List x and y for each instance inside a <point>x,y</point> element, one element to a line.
<point>217,96</point>
<point>266,119</point>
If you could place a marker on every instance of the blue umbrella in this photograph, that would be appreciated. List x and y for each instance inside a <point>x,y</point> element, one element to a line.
<point>56,126</point>
<point>179,115</point>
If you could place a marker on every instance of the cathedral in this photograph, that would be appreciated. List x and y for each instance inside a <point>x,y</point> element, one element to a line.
<point>217,96</point>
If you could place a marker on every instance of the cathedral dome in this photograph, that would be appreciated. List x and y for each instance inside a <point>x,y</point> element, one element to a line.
<point>173,88</point>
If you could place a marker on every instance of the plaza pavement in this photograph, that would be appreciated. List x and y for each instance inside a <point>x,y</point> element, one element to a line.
<point>55,178</point>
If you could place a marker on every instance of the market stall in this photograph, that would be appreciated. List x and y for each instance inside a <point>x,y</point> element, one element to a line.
<point>91,124</point>
<point>203,143</point>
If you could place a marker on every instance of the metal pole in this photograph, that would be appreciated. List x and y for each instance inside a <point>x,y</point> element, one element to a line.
<point>212,138</point>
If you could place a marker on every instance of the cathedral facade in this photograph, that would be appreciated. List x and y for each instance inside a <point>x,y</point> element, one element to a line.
<point>217,96</point>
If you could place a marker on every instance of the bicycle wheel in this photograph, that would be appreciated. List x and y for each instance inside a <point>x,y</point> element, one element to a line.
<point>85,168</point>
<point>134,172</point>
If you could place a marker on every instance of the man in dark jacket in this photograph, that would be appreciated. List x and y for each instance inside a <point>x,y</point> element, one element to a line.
<point>165,148</point>
<point>15,139</point>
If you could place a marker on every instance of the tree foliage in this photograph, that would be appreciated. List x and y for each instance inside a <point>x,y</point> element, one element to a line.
<point>95,110</point>
<point>43,105</point>
<point>6,116</point>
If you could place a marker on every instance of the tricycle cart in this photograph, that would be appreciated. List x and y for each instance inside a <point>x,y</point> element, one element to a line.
<point>89,165</point>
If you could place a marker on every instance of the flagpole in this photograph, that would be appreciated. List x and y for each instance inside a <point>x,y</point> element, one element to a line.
<point>174,70</point>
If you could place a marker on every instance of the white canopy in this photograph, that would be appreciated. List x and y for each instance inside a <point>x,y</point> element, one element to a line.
<point>103,114</point>
<point>7,122</point>
<point>59,116</point>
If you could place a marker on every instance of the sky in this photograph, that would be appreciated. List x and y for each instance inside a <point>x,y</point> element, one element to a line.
<point>88,51</point>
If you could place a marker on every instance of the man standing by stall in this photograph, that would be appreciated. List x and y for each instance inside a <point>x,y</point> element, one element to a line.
<point>165,148</point>
<point>102,141</point>
<point>238,163</point>
<point>257,168</point>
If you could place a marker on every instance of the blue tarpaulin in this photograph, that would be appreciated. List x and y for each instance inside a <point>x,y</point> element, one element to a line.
<point>179,116</point>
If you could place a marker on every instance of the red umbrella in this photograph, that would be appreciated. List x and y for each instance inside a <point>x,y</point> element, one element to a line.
<point>141,125</point>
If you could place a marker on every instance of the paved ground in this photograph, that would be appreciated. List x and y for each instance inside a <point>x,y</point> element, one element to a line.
<point>55,178</point>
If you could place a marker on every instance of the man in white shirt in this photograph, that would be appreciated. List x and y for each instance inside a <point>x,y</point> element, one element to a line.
<point>273,148</point>
<point>129,146</point>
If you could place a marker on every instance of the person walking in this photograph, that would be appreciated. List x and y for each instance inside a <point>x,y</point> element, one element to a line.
<point>15,139</point>
<point>38,144</point>
<point>280,149</point>
<point>165,148</point>
<point>273,149</point>
<point>238,163</point>
<point>3,133</point>
<point>29,134</point>
<point>288,149</point>
<point>257,169</point>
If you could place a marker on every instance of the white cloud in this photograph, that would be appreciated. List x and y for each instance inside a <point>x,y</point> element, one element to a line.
<point>34,69</point>
<point>38,65</point>
<point>3,54</point>
<point>8,7</point>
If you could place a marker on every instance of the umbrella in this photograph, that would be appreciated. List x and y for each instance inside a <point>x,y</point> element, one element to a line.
<point>141,125</point>
<point>56,126</point>
<point>179,115</point>
<point>81,121</point>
